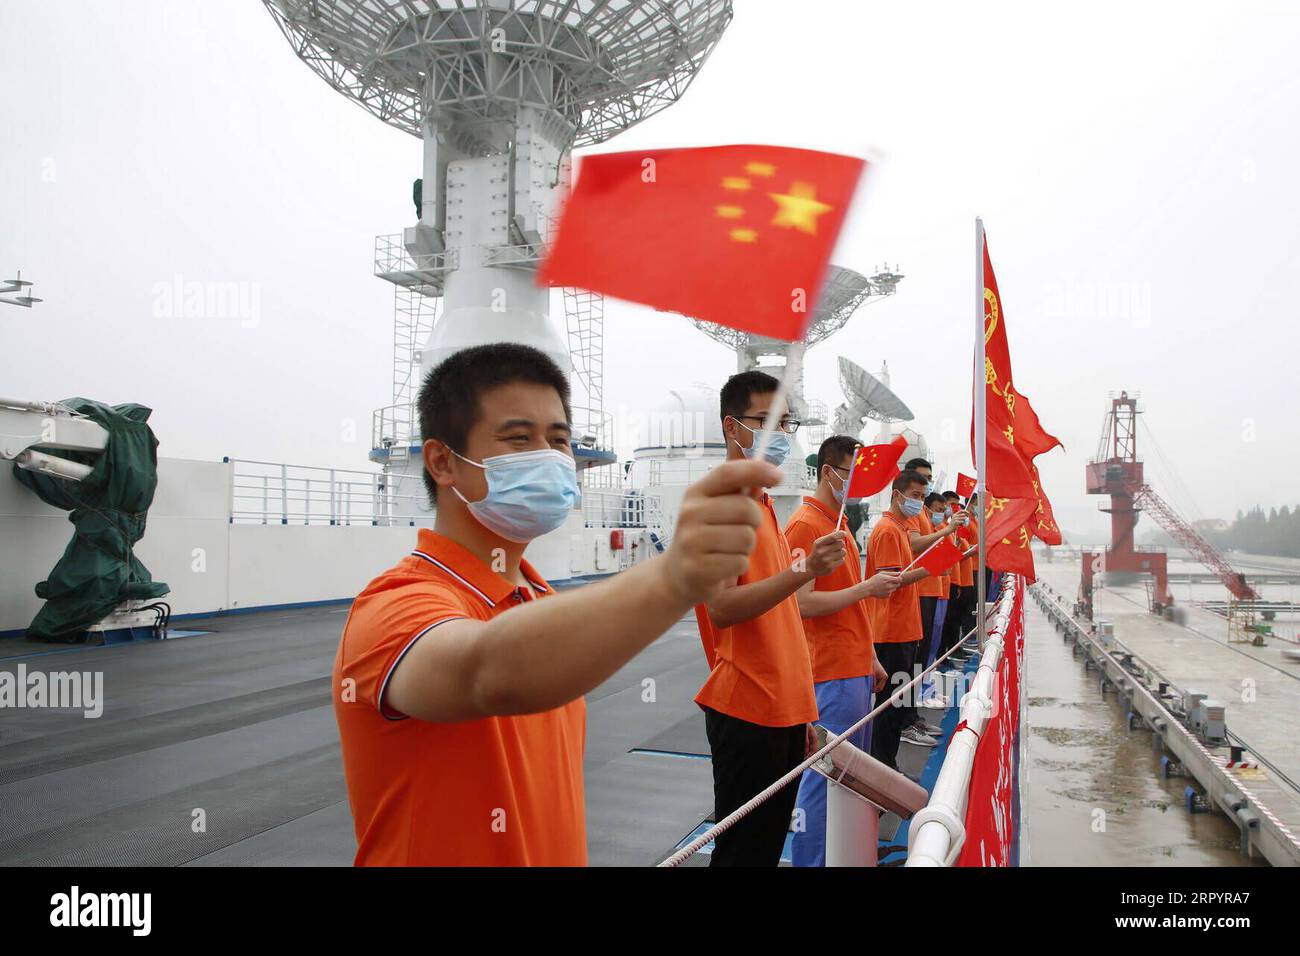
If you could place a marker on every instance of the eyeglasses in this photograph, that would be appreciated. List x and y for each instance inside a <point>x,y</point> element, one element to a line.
<point>787,425</point>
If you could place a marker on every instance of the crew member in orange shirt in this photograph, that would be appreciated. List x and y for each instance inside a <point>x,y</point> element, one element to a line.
<point>961,591</point>
<point>837,625</point>
<point>970,536</point>
<point>758,700</point>
<point>459,678</point>
<point>930,591</point>
<point>937,509</point>
<point>896,622</point>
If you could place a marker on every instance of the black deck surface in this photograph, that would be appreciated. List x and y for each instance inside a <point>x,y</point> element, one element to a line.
<point>221,749</point>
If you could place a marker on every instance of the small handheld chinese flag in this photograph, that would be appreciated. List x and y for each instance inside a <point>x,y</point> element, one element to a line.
<point>738,235</point>
<point>965,485</point>
<point>939,557</point>
<point>874,467</point>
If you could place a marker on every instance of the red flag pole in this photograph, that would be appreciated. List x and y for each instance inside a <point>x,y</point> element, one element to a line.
<point>981,428</point>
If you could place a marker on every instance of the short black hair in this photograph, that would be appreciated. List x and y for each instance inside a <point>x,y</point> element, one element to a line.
<point>734,398</point>
<point>907,479</point>
<point>915,463</point>
<point>449,398</point>
<point>834,449</point>
<point>952,496</point>
<point>932,498</point>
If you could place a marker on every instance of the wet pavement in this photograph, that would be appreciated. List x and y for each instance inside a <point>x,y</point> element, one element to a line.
<point>1093,791</point>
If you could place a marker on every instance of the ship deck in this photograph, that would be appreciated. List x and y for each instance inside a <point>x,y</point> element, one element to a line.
<point>220,749</point>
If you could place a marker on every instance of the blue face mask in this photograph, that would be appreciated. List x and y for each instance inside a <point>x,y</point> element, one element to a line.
<point>777,448</point>
<point>838,493</point>
<point>911,507</point>
<point>529,493</point>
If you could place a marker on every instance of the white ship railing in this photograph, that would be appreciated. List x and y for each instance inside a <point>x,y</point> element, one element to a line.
<point>265,492</point>
<point>422,271</point>
<point>621,509</point>
<point>688,470</point>
<point>936,834</point>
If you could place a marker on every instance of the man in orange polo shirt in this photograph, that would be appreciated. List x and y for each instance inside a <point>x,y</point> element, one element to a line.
<point>459,677</point>
<point>959,595</point>
<point>896,623</point>
<point>838,628</point>
<point>930,591</point>
<point>758,700</point>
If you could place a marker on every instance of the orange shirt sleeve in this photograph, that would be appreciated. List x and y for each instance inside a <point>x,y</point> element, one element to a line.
<point>893,550</point>
<point>381,628</point>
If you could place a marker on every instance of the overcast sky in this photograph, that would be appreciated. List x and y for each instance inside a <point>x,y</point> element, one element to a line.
<point>1135,165</point>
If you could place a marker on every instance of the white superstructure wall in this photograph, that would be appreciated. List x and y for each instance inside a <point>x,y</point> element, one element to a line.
<point>213,565</point>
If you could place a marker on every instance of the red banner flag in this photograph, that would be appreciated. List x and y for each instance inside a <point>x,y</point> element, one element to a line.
<point>874,467</point>
<point>738,235</point>
<point>965,485</point>
<point>940,557</point>
<point>1044,522</point>
<point>1014,435</point>
<point>1005,516</point>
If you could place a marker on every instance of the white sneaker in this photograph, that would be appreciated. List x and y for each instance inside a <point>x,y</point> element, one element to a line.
<point>914,736</point>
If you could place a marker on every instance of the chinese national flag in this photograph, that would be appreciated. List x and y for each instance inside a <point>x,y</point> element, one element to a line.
<point>1014,435</point>
<point>738,235</point>
<point>940,557</point>
<point>874,467</point>
<point>965,485</point>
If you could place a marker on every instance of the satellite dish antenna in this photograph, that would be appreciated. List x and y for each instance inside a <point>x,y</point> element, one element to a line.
<point>843,292</point>
<point>16,284</point>
<point>499,92</point>
<point>866,397</point>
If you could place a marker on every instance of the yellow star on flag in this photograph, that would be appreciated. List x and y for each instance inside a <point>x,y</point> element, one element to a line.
<point>799,208</point>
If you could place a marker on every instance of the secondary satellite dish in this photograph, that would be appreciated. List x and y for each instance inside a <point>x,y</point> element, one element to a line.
<point>842,293</point>
<point>866,397</point>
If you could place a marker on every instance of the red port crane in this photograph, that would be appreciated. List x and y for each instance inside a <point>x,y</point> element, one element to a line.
<point>1117,471</point>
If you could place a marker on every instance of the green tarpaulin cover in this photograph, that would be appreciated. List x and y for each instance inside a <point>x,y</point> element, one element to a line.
<point>99,570</point>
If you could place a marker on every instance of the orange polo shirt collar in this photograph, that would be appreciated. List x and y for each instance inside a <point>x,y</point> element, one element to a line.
<point>454,560</point>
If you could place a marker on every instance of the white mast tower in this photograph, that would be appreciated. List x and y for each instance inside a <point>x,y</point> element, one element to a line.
<point>499,91</point>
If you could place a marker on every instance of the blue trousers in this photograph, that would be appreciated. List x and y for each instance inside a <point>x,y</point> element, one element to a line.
<point>940,612</point>
<point>840,705</point>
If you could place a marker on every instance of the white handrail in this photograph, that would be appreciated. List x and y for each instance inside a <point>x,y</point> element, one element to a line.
<point>937,833</point>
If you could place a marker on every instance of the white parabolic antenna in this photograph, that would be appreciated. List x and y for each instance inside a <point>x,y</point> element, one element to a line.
<point>499,92</point>
<point>843,292</point>
<point>597,66</point>
<point>866,397</point>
